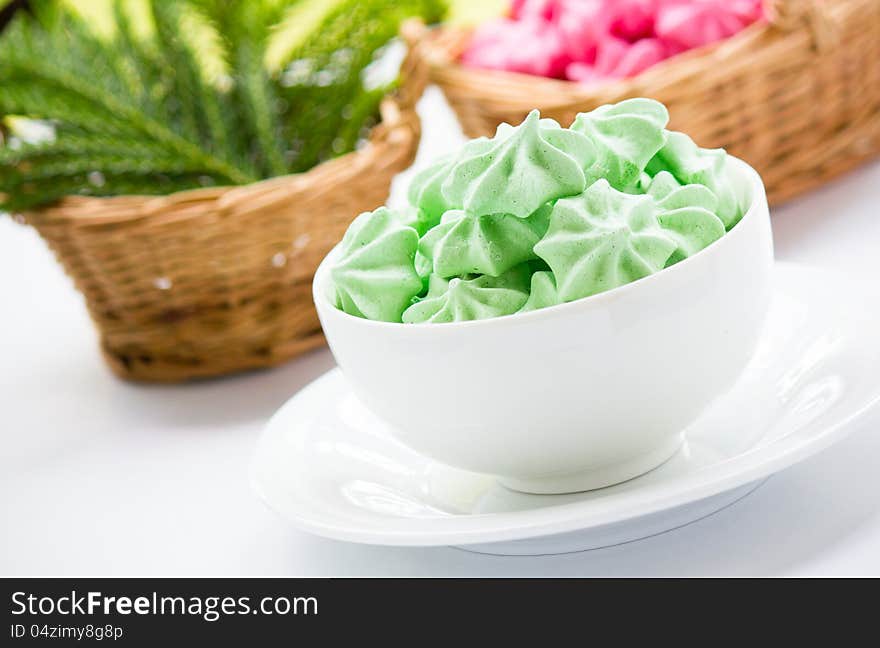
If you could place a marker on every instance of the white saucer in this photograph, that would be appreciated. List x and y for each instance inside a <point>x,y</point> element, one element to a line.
<point>331,467</point>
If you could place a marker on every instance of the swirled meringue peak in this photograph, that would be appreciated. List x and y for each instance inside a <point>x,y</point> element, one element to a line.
<point>375,275</point>
<point>686,213</point>
<point>671,194</point>
<point>424,190</point>
<point>692,229</point>
<point>491,244</point>
<point>416,218</point>
<point>471,299</point>
<point>626,136</point>
<point>543,292</point>
<point>602,239</point>
<point>691,164</point>
<point>520,169</point>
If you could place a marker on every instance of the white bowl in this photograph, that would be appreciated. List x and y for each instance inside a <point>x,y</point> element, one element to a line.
<point>576,396</point>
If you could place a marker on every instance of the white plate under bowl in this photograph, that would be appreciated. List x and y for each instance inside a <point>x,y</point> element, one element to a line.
<point>332,468</point>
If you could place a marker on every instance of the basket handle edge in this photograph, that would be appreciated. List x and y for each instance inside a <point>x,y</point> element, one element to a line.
<point>789,15</point>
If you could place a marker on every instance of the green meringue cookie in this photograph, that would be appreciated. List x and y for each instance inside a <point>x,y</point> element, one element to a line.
<point>638,186</point>
<point>491,244</point>
<point>437,285</point>
<point>424,268</point>
<point>626,135</point>
<point>602,239</point>
<point>692,229</point>
<point>543,292</point>
<point>519,169</point>
<point>424,190</point>
<point>687,213</point>
<point>550,129</point>
<point>670,194</point>
<point>691,164</point>
<point>374,275</point>
<point>416,218</point>
<point>471,299</point>
<point>661,185</point>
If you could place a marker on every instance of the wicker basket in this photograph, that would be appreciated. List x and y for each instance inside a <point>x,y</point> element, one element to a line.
<point>797,96</point>
<point>211,281</point>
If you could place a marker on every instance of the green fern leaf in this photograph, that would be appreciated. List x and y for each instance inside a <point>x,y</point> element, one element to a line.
<point>140,112</point>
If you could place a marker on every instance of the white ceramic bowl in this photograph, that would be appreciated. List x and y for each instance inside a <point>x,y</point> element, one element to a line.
<point>576,396</point>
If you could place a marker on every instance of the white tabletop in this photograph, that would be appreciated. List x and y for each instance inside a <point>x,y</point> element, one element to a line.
<point>103,478</point>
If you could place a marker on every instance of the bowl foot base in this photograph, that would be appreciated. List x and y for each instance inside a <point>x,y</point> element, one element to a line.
<point>599,477</point>
<point>610,535</point>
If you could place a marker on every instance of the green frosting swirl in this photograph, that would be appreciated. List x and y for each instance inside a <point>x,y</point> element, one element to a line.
<point>626,136</point>
<point>416,218</point>
<point>471,299</point>
<point>639,186</point>
<point>491,244</point>
<point>375,275</point>
<point>687,214</point>
<point>424,268</point>
<point>424,190</point>
<point>602,239</point>
<point>543,292</point>
<point>692,229</point>
<point>663,184</point>
<point>691,164</point>
<point>519,169</point>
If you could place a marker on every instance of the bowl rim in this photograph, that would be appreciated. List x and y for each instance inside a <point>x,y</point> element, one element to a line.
<point>758,205</point>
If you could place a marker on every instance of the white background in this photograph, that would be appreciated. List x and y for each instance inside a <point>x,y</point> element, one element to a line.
<point>103,478</point>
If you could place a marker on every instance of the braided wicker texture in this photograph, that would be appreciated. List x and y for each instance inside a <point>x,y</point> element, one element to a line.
<point>211,281</point>
<point>798,96</point>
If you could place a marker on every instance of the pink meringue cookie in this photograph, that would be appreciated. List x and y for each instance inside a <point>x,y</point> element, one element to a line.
<point>618,59</point>
<point>636,58</point>
<point>748,10</point>
<point>582,24</point>
<point>632,20</point>
<point>545,9</point>
<point>690,24</point>
<point>581,72</point>
<point>529,46</point>
<point>585,40</point>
